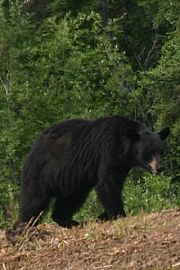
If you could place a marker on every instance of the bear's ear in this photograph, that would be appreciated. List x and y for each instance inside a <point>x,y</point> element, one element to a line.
<point>164,133</point>
<point>132,135</point>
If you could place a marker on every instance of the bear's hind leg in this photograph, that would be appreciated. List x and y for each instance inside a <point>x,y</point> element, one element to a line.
<point>65,209</point>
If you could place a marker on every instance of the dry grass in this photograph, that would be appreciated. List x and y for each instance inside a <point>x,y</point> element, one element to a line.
<point>144,242</point>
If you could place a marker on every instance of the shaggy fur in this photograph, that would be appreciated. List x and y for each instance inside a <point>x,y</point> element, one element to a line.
<point>71,158</point>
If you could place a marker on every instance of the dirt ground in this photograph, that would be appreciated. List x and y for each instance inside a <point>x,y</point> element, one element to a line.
<point>144,242</point>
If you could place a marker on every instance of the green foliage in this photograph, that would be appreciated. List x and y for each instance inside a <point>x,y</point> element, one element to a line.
<point>91,209</point>
<point>159,100</point>
<point>149,194</point>
<point>62,7</point>
<point>8,204</point>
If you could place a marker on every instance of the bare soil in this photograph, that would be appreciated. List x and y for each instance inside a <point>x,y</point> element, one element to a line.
<point>144,242</point>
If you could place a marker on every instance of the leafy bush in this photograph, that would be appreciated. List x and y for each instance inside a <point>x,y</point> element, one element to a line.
<point>149,194</point>
<point>8,204</point>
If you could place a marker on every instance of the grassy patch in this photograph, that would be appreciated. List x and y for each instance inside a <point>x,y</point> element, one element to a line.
<point>147,193</point>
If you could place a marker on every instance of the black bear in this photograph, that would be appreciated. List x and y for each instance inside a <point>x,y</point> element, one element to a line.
<point>71,158</point>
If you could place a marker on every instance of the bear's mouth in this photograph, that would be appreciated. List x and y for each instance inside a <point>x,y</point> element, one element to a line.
<point>154,171</point>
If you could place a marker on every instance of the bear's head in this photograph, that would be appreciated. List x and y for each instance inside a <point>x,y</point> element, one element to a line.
<point>148,149</point>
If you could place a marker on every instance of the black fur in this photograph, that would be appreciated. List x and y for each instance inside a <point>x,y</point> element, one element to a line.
<point>71,158</point>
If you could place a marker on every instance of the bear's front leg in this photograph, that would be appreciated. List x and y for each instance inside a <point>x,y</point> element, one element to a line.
<point>109,191</point>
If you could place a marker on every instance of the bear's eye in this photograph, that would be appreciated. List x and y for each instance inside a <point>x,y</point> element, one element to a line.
<point>158,153</point>
<point>161,152</point>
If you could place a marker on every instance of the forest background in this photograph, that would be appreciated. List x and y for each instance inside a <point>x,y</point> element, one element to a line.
<point>68,59</point>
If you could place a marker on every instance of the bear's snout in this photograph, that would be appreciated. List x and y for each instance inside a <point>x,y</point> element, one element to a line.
<point>156,165</point>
